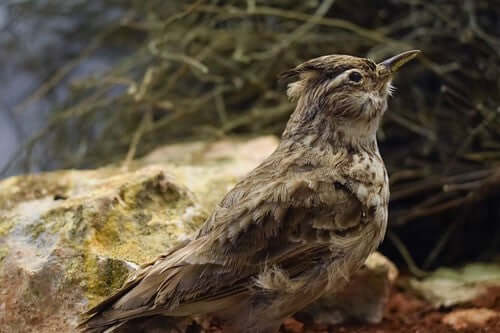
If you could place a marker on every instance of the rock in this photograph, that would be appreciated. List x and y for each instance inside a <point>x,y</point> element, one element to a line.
<point>211,169</point>
<point>462,319</point>
<point>67,246</point>
<point>447,287</point>
<point>70,238</point>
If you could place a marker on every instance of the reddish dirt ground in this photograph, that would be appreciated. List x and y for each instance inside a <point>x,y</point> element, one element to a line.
<point>405,313</point>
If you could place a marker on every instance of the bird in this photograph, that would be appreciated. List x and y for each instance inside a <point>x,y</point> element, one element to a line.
<point>297,226</point>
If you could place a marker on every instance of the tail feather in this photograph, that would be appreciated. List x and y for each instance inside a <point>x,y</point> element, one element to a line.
<point>111,318</point>
<point>152,324</point>
<point>103,318</point>
<point>108,302</point>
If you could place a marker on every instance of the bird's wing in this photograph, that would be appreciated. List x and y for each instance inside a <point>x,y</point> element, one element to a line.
<point>275,220</point>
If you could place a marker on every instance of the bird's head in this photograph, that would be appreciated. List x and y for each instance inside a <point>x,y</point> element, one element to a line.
<point>345,91</point>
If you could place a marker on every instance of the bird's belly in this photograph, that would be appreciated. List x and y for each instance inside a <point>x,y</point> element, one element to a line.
<point>356,251</point>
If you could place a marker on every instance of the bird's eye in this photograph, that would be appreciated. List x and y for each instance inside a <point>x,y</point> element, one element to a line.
<point>355,77</point>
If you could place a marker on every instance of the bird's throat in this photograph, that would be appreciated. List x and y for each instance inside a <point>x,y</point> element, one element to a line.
<point>315,127</point>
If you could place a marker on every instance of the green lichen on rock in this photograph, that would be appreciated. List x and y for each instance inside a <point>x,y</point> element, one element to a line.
<point>102,276</point>
<point>3,253</point>
<point>36,229</point>
<point>143,219</point>
<point>31,187</point>
<point>5,225</point>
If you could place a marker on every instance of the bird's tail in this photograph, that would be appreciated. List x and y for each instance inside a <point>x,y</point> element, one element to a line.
<point>104,319</point>
<point>150,324</point>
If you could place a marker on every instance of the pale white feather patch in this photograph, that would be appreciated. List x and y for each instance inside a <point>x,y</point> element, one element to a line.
<point>295,89</point>
<point>276,279</point>
<point>390,89</point>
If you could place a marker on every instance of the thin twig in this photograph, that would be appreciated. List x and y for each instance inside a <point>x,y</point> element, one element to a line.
<point>136,138</point>
<point>294,15</point>
<point>62,72</point>
<point>405,254</point>
<point>297,33</point>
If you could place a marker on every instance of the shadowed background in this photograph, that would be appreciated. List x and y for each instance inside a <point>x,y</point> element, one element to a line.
<point>88,84</point>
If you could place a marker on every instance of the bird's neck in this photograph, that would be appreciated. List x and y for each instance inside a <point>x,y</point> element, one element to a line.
<point>314,127</point>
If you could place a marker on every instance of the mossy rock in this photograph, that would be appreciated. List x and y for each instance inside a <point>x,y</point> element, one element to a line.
<point>70,238</point>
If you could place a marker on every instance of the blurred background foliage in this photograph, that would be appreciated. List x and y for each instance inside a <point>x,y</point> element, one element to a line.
<point>118,78</point>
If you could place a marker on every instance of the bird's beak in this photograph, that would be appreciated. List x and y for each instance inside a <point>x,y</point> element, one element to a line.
<point>393,64</point>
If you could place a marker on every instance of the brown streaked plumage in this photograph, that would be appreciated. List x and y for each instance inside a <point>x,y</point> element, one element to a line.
<point>298,225</point>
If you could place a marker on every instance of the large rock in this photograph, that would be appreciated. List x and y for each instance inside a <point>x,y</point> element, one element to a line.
<point>70,238</point>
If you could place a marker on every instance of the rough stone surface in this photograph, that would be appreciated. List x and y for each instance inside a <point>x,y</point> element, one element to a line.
<point>69,238</point>
<point>447,287</point>
<point>464,318</point>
